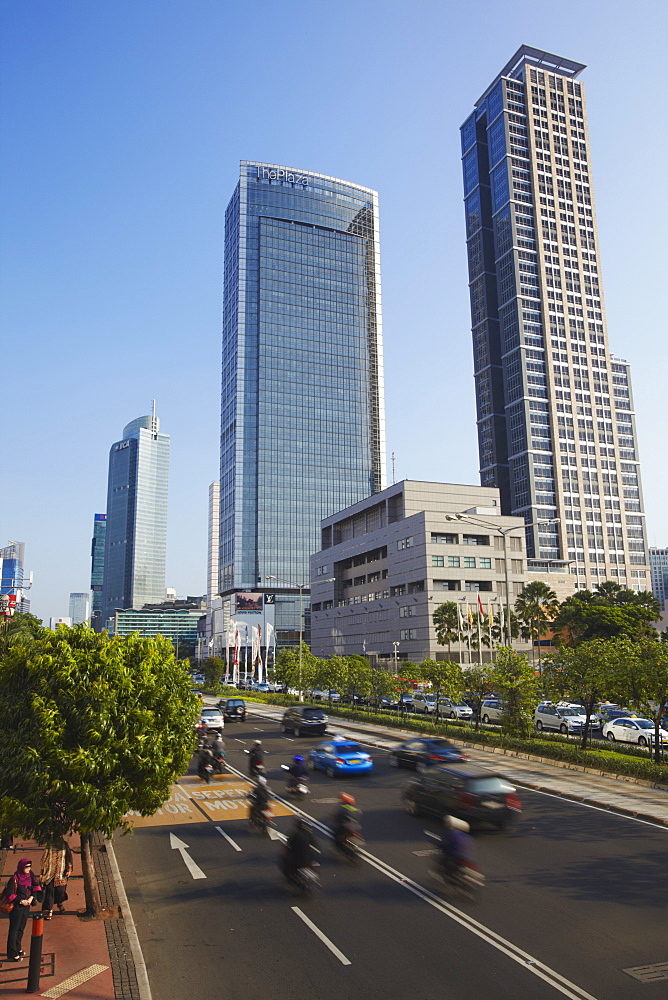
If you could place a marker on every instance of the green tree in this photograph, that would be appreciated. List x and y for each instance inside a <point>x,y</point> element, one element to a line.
<point>446,622</point>
<point>642,682</point>
<point>445,677</point>
<point>478,685</point>
<point>331,674</point>
<point>608,613</point>
<point>213,669</point>
<point>405,682</point>
<point>382,684</point>
<point>587,673</point>
<point>536,607</point>
<point>17,628</point>
<point>90,728</point>
<point>358,676</point>
<point>298,676</point>
<point>514,678</point>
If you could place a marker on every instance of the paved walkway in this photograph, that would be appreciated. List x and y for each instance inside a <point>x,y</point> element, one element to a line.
<point>81,959</point>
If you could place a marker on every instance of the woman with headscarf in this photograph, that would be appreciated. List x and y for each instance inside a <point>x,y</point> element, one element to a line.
<point>22,890</point>
<point>56,868</point>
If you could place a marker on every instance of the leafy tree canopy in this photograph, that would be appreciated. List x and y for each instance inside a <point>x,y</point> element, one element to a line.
<point>609,612</point>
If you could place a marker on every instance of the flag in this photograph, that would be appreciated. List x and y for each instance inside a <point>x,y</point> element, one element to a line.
<point>269,631</point>
<point>480,607</point>
<point>469,614</point>
<point>490,615</point>
<point>460,620</point>
<point>502,622</point>
<point>364,646</point>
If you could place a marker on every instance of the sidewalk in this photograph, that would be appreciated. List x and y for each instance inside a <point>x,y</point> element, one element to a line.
<point>81,959</point>
<point>627,796</point>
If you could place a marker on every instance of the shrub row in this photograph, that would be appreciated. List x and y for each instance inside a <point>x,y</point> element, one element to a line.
<point>556,747</point>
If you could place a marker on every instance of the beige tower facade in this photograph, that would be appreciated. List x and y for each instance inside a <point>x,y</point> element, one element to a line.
<point>556,423</point>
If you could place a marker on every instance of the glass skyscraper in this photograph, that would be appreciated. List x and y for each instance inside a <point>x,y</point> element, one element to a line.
<point>556,429</point>
<point>302,411</point>
<point>136,532</point>
<point>97,570</point>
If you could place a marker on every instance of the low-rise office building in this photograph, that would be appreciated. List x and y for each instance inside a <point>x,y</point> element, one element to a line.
<point>175,620</point>
<point>387,562</point>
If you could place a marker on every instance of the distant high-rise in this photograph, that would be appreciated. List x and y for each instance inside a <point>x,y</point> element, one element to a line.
<point>12,574</point>
<point>97,570</point>
<point>658,561</point>
<point>80,608</point>
<point>136,532</point>
<point>302,412</point>
<point>556,429</point>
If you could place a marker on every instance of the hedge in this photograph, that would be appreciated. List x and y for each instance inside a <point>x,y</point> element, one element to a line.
<point>628,764</point>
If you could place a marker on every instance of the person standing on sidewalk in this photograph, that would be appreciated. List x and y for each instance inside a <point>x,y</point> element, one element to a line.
<point>22,889</point>
<point>56,868</point>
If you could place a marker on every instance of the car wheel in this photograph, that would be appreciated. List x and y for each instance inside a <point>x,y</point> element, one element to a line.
<point>563,729</point>
<point>310,763</point>
<point>331,772</point>
<point>642,742</point>
<point>411,807</point>
<point>421,768</point>
<point>485,720</point>
<point>453,715</point>
<point>539,726</point>
<point>611,737</point>
<point>394,760</point>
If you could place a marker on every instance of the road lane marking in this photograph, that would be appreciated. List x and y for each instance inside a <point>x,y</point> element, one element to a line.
<point>323,937</point>
<point>512,951</point>
<point>276,835</point>
<point>228,838</point>
<point>237,740</point>
<point>182,848</point>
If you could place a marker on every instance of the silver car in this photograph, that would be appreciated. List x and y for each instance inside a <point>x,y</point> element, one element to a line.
<point>454,709</point>
<point>212,718</point>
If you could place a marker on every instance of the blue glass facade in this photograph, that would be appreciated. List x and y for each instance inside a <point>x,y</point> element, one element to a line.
<point>97,570</point>
<point>136,532</point>
<point>302,415</point>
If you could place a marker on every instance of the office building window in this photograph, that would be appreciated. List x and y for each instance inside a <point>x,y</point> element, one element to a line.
<point>407,633</point>
<point>404,543</point>
<point>469,562</point>
<point>437,561</point>
<point>453,562</point>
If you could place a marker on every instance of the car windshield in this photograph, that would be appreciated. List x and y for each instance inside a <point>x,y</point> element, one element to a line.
<point>439,745</point>
<point>570,711</point>
<point>644,724</point>
<point>210,711</point>
<point>487,786</point>
<point>234,701</point>
<point>313,713</point>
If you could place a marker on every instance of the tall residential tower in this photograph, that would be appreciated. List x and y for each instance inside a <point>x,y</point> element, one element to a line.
<point>302,413</point>
<point>556,429</point>
<point>136,532</point>
<point>97,570</point>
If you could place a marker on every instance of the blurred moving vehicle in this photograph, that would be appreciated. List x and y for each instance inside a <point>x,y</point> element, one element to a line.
<point>340,756</point>
<point>233,709</point>
<point>465,790</point>
<point>302,720</point>
<point>420,754</point>
<point>627,730</point>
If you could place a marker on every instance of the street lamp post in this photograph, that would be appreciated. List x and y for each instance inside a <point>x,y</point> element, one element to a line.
<point>504,532</point>
<point>395,645</point>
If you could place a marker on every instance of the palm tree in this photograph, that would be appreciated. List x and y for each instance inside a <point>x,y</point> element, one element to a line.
<point>536,607</point>
<point>446,621</point>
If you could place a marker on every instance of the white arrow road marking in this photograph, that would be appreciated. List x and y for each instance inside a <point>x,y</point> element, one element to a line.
<point>228,838</point>
<point>323,937</point>
<point>275,835</point>
<point>179,845</point>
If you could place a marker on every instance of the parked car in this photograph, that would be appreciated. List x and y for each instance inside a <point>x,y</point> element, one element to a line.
<point>454,709</point>
<point>303,720</point>
<point>339,756</point>
<point>423,702</point>
<point>424,753</point>
<point>211,718</point>
<point>233,709</point>
<point>386,701</point>
<point>491,710</point>
<point>640,731</point>
<point>407,701</point>
<point>607,712</point>
<point>466,790</point>
<point>563,719</point>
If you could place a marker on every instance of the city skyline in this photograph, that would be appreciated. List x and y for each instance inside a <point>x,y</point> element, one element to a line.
<point>122,223</point>
<point>556,423</point>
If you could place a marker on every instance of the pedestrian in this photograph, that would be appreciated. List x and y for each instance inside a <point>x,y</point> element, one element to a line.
<point>56,868</point>
<point>22,890</point>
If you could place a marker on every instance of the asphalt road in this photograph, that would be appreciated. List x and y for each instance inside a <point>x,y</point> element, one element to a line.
<point>573,897</point>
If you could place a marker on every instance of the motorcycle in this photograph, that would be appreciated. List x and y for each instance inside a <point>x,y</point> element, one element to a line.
<point>306,880</point>
<point>297,787</point>
<point>348,843</point>
<point>205,771</point>
<point>462,878</point>
<point>262,819</point>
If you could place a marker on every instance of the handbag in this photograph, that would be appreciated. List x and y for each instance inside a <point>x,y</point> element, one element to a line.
<point>5,905</point>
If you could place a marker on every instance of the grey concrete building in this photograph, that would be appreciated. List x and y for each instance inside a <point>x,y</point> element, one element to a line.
<point>387,562</point>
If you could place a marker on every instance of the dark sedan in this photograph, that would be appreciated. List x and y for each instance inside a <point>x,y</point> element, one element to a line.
<point>473,793</point>
<point>233,709</point>
<point>421,754</point>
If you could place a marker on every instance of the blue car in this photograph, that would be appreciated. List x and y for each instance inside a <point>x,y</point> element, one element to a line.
<point>339,756</point>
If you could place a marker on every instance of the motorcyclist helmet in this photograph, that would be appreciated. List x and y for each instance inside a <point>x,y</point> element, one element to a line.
<point>347,799</point>
<point>262,780</point>
<point>258,743</point>
<point>298,758</point>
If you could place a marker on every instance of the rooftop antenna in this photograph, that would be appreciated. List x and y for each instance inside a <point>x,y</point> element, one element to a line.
<point>393,478</point>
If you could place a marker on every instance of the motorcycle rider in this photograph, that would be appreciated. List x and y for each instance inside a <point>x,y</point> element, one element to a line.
<point>204,763</point>
<point>255,759</point>
<point>299,849</point>
<point>346,819</point>
<point>456,845</point>
<point>297,773</point>
<point>217,747</point>
<point>258,798</point>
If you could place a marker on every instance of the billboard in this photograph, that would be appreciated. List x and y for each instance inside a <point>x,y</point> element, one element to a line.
<point>253,609</point>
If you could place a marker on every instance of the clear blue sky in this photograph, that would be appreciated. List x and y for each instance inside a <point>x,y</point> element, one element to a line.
<point>122,126</point>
